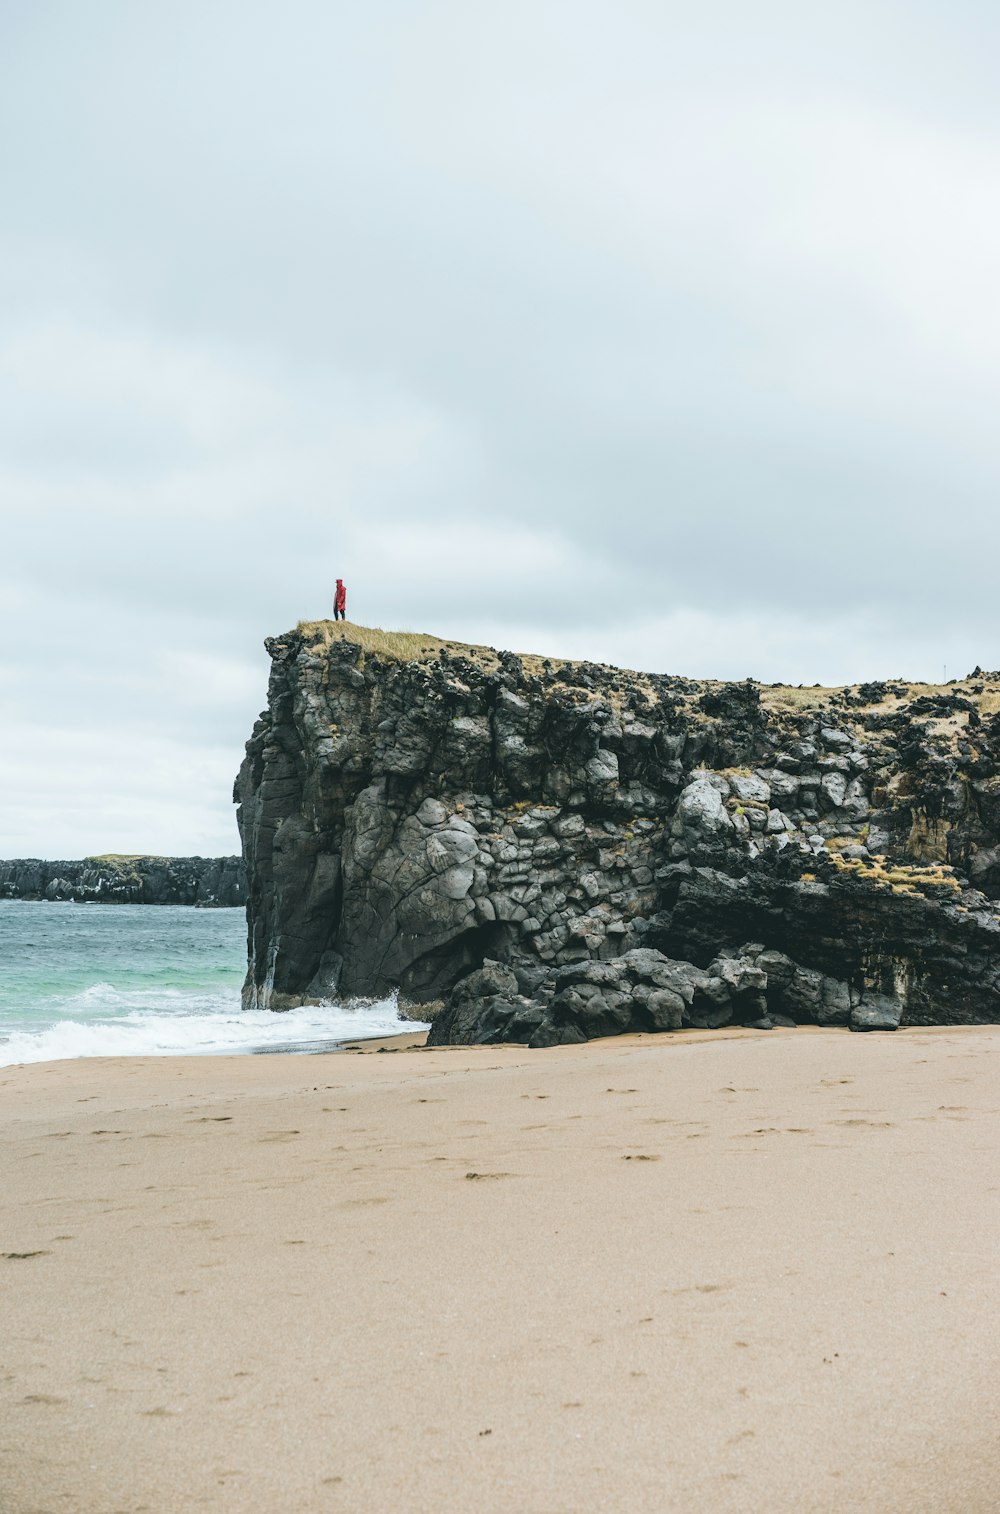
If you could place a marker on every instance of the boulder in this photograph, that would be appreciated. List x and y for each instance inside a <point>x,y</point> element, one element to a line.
<point>700,812</point>
<point>877,1012</point>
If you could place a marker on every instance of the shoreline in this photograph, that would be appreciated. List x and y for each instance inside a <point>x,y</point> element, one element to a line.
<point>648,1273</point>
<point>688,1035</point>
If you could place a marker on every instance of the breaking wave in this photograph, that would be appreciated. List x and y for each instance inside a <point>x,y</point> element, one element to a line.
<point>102,1021</point>
<point>140,980</point>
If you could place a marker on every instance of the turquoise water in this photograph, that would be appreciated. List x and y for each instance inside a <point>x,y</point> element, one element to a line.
<point>97,980</point>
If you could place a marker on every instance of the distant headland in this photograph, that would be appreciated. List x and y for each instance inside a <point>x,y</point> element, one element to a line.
<point>211,882</point>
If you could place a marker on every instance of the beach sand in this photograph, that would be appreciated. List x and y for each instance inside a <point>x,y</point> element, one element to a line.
<point>698,1273</point>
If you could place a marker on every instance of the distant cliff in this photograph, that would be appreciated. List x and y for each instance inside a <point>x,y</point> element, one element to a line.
<point>559,851</point>
<point>206,881</point>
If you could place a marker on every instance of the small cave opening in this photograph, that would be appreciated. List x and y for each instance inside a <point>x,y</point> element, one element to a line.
<point>435,973</point>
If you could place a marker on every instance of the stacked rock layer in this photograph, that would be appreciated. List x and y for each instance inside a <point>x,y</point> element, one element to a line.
<point>550,852</point>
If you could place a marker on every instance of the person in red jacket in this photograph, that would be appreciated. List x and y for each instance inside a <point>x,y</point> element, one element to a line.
<point>340,601</point>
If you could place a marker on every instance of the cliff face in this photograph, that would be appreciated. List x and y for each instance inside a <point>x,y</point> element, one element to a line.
<point>566,851</point>
<point>208,881</point>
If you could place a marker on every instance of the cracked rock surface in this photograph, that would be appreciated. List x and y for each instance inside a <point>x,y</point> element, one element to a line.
<point>548,852</point>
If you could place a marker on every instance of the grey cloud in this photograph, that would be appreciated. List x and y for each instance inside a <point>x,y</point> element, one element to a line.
<point>647,331</point>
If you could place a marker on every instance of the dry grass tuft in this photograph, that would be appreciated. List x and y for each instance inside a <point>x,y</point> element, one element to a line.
<point>415,646</point>
<point>400,646</point>
<point>126,857</point>
<point>788,698</point>
<point>901,878</point>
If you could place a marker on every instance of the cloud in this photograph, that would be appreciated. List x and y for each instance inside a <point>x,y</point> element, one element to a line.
<point>86,791</point>
<point>640,332</point>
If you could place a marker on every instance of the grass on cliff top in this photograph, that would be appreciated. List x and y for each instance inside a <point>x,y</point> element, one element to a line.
<point>787,697</point>
<point>125,857</point>
<point>413,646</point>
<point>402,646</point>
<point>418,646</point>
<point>126,860</point>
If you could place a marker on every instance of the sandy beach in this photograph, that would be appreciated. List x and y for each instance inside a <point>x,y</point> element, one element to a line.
<point>722,1272</point>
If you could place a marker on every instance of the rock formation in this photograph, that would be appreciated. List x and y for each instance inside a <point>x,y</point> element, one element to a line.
<point>557,851</point>
<point>206,881</point>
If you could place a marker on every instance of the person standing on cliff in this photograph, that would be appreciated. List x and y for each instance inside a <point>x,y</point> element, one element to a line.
<point>340,601</point>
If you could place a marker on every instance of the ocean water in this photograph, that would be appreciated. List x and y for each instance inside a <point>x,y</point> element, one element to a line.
<point>120,980</point>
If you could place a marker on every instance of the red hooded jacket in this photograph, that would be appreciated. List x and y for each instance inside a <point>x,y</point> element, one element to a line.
<point>340,597</point>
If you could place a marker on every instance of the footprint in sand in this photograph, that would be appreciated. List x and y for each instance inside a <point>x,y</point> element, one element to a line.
<point>869,1124</point>
<point>642,1156</point>
<point>748,1135</point>
<point>700,1288</point>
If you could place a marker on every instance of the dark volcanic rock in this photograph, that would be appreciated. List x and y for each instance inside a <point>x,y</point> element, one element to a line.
<point>564,852</point>
<point>205,881</point>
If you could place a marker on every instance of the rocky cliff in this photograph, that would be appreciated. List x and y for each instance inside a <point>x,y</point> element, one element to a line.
<point>207,881</point>
<point>558,851</point>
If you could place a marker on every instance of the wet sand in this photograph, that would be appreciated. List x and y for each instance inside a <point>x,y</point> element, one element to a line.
<point>753,1273</point>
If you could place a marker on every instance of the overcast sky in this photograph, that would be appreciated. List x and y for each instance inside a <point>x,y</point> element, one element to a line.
<point>660,333</point>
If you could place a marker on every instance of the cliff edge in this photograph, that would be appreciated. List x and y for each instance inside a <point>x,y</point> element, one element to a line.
<point>557,851</point>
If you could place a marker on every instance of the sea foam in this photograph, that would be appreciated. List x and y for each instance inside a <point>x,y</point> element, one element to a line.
<point>192,1025</point>
<point>148,981</point>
